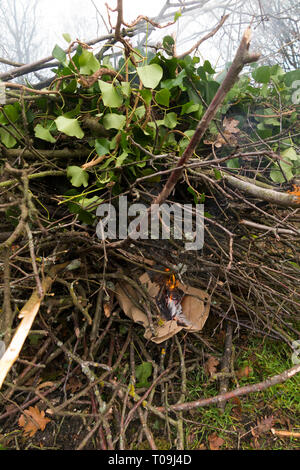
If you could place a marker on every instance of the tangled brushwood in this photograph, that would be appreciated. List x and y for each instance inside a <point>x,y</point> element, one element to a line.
<point>158,128</point>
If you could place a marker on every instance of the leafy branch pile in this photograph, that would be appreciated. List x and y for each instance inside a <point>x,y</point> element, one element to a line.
<point>98,132</point>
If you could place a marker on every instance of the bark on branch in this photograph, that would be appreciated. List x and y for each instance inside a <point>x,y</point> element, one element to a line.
<point>242,58</point>
<point>258,387</point>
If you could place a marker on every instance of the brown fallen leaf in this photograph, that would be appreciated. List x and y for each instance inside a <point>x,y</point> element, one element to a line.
<point>263,425</point>
<point>237,408</point>
<point>230,125</point>
<point>227,136</point>
<point>210,366</point>
<point>107,309</point>
<point>214,441</point>
<point>33,419</point>
<point>244,372</point>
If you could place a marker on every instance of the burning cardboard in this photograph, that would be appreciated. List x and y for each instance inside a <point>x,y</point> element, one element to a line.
<point>182,307</point>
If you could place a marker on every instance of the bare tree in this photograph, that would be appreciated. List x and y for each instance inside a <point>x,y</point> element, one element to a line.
<point>276,27</point>
<point>19,35</point>
<point>280,28</point>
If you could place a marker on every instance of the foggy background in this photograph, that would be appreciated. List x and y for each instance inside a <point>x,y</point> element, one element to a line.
<point>29,29</point>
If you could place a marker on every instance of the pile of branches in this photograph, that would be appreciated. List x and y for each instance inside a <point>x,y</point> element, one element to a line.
<point>59,278</point>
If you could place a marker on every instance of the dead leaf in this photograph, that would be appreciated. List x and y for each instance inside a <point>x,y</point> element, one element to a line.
<point>230,125</point>
<point>214,441</point>
<point>263,425</point>
<point>244,372</point>
<point>33,419</point>
<point>107,309</point>
<point>227,136</point>
<point>237,408</point>
<point>210,366</point>
<point>202,447</point>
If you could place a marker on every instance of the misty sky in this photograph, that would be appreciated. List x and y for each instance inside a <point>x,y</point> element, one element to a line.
<point>61,16</point>
<point>78,18</point>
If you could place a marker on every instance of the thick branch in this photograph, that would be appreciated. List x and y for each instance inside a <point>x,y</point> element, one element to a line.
<point>242,58</point>
<point>264,194</point>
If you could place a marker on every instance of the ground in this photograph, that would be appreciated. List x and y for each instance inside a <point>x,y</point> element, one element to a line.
<point>248,422</point>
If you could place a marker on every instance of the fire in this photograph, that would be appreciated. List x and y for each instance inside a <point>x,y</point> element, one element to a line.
<point>171,282</point>
<point>169,299</point>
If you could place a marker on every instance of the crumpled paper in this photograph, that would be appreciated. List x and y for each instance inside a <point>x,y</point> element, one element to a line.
<point>195,307</point>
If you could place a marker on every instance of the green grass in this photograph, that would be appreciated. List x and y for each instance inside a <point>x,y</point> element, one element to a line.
<point>265,358</point>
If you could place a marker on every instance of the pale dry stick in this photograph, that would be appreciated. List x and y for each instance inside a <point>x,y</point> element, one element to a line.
<point>268,228</point>
<point>27,314</point>
<point>282,433</point>
<point>76,302</point>
<point>33,261</point>
<point>146,430</point>
<point>269,195</point>
<point>31,90</point>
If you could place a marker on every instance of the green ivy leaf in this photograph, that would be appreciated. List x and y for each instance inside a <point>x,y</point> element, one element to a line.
<point>291,77</point>
<point>12,111</point>
<point>69,127</point>
<point>189,107</point>
<point>290,154</point>
<point>146,95</point>
<point>77,176</point>
<point>173,82</point>
<point>208,68</point>
<point>59,54</point>
<point>126,89</point>
<point>114,121</point>
<point>276,174</point>
<point>67,37</point>
<point>88,63</point>
<point>143,372</point>
<point>163,97</point>
<point>177,15</point>
<point>121,158</point>
<point>110,95</point>
<point>233,163</point>
<point>150,75</point>
<point>7,139</point>
<point>262,74</point>
<point>89,203</point>
<point>170,120</point>
<point>102,146</point>
<point>44,134</point>
<point>168,43</point>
